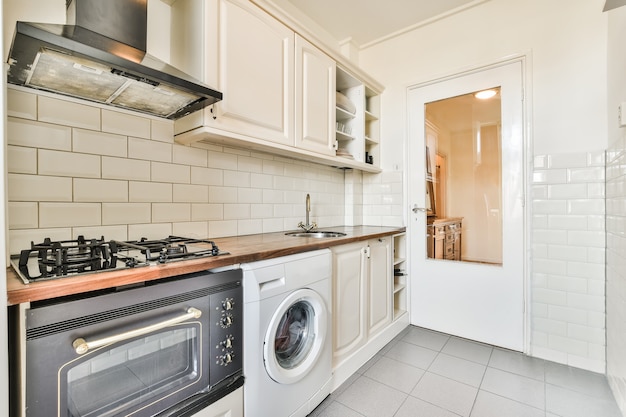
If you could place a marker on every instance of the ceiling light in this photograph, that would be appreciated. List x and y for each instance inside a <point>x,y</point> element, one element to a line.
<point>485,94</point>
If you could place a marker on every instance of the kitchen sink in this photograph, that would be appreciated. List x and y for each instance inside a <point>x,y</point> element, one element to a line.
<point>319,234</point>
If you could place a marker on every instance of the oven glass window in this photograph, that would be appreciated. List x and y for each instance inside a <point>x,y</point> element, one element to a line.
<point>295,336</point>
<point>135,372</point>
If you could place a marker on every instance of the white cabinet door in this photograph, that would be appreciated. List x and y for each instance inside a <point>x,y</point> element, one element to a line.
<point>349,297</point>
<point>380,285</point>
<point>315,99</point>
<point>255,74</point>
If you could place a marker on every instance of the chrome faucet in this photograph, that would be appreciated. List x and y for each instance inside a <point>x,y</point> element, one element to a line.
<point>307,227</point>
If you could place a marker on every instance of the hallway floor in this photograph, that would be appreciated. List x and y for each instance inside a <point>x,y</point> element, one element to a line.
<point>422,373</point>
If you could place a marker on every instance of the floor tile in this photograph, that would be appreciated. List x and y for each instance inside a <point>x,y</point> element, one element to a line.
<point>426,338</point>
<point>491,405</point>
<point>518,363</point>
<point>396,374</point>
<point>371,398</point>
<point>467,372</point>
<point>369,363</point>
<point>567,403</point>
<point>444,392</point>
<point>335,409</point>
<point>467,349</point>
<point>414,407</point>
<point>515,387</point>
<point>411,354</point>
<point>586,382</point>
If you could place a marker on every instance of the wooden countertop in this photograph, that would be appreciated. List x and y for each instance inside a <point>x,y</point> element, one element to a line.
<point>242,249</point>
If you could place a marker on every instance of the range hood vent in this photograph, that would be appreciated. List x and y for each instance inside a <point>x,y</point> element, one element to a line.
<point>100,55</point>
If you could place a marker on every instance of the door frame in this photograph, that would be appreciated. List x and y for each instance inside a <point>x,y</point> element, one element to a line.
<point>525,59</point>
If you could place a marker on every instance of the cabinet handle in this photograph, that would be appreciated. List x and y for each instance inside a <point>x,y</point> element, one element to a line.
<point>213,113</point>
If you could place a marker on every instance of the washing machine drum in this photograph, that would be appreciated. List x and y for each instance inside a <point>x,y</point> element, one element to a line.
<point>295,336</point>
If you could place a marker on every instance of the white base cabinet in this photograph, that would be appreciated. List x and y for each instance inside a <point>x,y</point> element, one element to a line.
<point>363,303</point>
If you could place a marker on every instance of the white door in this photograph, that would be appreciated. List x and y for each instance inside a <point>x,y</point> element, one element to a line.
<point>466,223</point>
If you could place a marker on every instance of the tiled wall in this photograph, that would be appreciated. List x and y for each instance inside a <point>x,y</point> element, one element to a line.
<point>568,268</point>
<point>382,199</point>
<point>80,169</point>
<point>616,269</point>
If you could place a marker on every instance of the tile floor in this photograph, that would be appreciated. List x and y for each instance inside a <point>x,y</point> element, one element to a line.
<point>422,373</point>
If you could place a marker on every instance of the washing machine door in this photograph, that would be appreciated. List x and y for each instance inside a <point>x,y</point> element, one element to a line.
<point>295,336</point>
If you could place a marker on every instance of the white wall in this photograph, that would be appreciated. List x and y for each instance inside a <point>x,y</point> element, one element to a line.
<point>566,40</point>
<point>616,211</point>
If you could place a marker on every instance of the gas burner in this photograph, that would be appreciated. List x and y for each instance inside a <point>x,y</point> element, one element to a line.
<point>171,248</point>
<point>58,259</point>
<point>67,257</point>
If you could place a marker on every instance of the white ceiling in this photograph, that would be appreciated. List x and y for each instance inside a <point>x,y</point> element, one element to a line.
<point>368,21</point>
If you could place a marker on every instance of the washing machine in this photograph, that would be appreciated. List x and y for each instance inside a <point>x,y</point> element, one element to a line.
<point>287,334</point>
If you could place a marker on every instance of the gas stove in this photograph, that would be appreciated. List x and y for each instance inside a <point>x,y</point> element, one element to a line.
<point>65,258</point>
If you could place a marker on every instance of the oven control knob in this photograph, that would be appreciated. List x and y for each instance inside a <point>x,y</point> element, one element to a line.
<point>226,321</point>
<point>226,358</point>
<point>228,304</point>
<point>228,342</point>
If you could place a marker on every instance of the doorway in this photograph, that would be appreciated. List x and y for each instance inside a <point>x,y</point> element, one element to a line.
<point>466,186</point>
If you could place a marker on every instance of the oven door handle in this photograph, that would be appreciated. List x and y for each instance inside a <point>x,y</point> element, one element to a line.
<point>81,346</point>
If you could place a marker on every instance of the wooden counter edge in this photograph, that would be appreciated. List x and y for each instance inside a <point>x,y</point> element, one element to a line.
<point>277,246</point>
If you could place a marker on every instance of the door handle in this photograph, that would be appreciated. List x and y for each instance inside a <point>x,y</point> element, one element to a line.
<point>417,209</point>
<point>82,346</point>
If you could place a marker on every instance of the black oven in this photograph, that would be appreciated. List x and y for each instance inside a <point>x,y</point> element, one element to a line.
<point>169,347</point>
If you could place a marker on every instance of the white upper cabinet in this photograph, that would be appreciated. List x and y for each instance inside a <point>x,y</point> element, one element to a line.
<point>315,99</point>
<point>279,89</point>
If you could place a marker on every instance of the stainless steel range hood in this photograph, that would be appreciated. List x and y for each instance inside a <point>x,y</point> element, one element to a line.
<point>100,55</point>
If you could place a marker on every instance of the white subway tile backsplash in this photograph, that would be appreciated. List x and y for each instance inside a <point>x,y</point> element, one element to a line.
<point>249,164</point>
<point>149,150</point>
<point>189,156</point>
<point>67,113</point>
<point>565,191</point>
<point>236,179</point>
<point>276,225</point>
<point>23,215</point>
<point>221,160</point>
<point>222,228</point>
<point>250,195</point>
<point>567,160</point>
<point>119,232</point>
<point>273,197</point>
<point>249,227</point>
<point>39,188</point>
<point>125,124</point>
<point>95,190</point>
<point>187,193</point>
<point>21,160</point>
<point>171,212</point>
<point>20,239</point>
<point>236,211</point>
<point>21,104</point>
<point>207,176</point>
<point>69,214</point>
<point>67,164</point>
<point>201,212</point>
<point>126,213</point>
<point>197,230</point>
<point>161,172</point>
<point>125,169</point>
<point>588,238</point>
<point>272,167</point>
<point>550,177</point>
<point>582,175</point>
<point>99,143</point>
<point>162,130</point>
<point>146,192</point>
<point>149,231</point>
<point>38,135</point>
<point>222,194</point>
